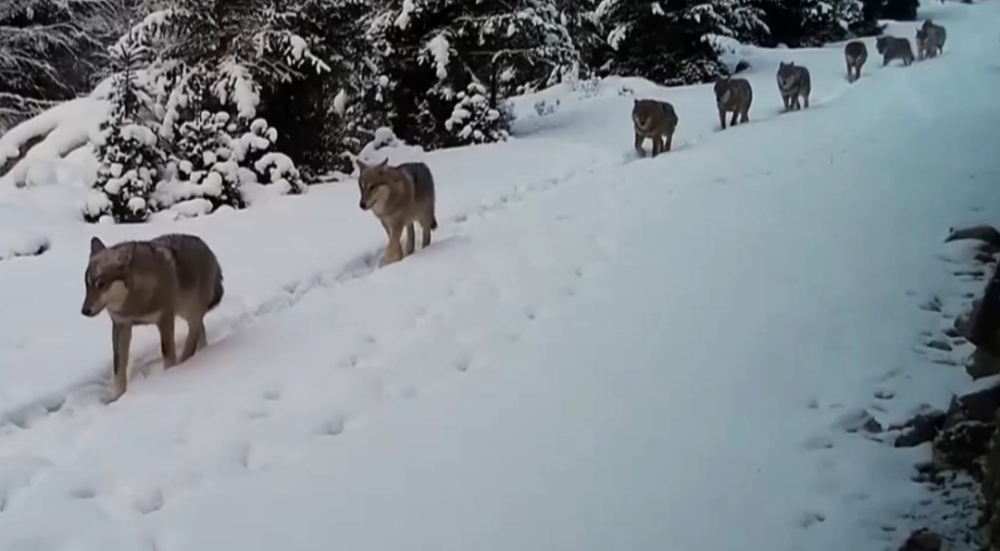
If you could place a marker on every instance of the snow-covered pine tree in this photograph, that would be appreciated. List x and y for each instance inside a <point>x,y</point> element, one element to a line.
<point>585,32</point>
<point>221,55</point>
<point>829,20</point>
<point>128,149</point>
<point>52,50</point>
<point>321,115</point>
<point>809,23</point>
<point>900,10</point>
<point>669,43</point>
<point>433,49</point>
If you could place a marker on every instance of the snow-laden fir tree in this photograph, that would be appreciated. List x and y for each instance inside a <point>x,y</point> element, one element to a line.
<point>220,56</point>
<point>52,50</point>
<point>669,42</point>
<point>810,23</point>
<point>431,50</point>
<point>128,149</point>
<point>199,147</point>
<point>321,116</point>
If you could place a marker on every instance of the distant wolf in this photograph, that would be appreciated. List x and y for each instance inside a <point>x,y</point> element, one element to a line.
<point>793,83</point>
<point>655,120</point>
<point>855,54</point>
<point>930,39</point>
<point>399,196</point>
<point>733,94</point>
<point>894,47</point>
<point>151,282</point>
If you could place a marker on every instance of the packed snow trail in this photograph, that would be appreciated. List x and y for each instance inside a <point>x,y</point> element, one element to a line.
<point>644,356</point>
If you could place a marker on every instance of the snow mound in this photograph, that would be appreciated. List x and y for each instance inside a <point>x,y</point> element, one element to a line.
<point>14,243</point>
<point>54,135</point>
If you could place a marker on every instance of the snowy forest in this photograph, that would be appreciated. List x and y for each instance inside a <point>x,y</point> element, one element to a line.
<point>209,96</point>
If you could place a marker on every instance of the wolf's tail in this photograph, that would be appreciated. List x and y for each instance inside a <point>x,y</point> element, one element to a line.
<point>218,292</point>
<point>986,233</point>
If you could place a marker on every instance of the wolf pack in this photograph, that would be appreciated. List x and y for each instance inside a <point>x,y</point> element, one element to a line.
<point>174,275</point>
<point>656,120</point>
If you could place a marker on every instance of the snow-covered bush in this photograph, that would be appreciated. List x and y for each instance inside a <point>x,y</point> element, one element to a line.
<point>128,150</point>
<point>194,166</point>
<point>474,121</point>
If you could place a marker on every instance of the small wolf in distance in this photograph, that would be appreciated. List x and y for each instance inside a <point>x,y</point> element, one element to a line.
<point>930,40</point>
<point>855,55</point>
<point>399,196</point>
<point>794,82</point>
<point>894,47</point>
<point>735,95</point>
<point>655,120</point>
<point>151,282</point>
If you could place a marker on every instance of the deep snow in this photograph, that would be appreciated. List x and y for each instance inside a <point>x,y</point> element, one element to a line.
<point>596,352</point>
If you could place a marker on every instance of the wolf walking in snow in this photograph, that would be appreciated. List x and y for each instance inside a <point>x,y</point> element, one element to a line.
<point>735,95</point>
<point>655,120</point>
<point>793,83</point>
<point>151,282</point>
<point>855,55</point>
<point>930,39</point>
<point>894,47</point>
<point>399,196</point>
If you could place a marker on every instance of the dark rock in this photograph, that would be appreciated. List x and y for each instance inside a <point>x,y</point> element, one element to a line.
<point>923,427</point>
<point>940,345</point>
<point>963,445</point>
<point>872,426</point>
<point>981,405</point>
<point>741,66</point>
<point>982,364</point>
<point>856,420</point>
<point>932,305</point>
<point>922,540</point>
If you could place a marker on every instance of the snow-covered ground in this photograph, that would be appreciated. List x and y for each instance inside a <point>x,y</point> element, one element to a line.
<point>596,352</point>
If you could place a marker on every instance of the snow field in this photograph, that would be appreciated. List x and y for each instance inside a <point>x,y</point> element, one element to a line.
<point>592,353</point>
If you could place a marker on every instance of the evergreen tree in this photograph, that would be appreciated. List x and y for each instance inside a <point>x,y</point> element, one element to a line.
<point>52,50</point>
<point>128,149</point>
<point>433,50</point>
<point>670,43</point>
<point>810,23</point>
<point>899,10</point>
<point>218,57</point>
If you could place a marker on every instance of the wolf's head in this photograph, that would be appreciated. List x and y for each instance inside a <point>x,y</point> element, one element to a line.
<point>375,181</point>
<point>106,279</point>
<point>787,74</point>
<point>722,91</point>
<point>644,113</point>
<point>881,44</point>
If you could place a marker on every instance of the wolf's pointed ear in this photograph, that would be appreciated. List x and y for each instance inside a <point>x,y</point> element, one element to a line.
<point>383,163</point>
<point>96,245</point>
<point>361,165</point>
<point>635,101</point>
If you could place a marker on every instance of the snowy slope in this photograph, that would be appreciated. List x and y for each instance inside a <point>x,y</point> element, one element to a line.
<point>596,352</point>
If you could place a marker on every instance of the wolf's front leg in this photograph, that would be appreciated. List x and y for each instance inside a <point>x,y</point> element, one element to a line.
<point>167,344</point>
<point>121,341</point>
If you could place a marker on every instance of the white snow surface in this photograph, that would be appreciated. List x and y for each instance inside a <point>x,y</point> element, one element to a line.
<point>597,352</point>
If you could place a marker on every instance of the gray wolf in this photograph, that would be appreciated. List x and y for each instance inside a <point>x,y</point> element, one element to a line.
<point>855,54</point>
<point>655,120</point>
<point>894,47</point>
<point>793,83</point>
<point>399,196</point>
<point>733,94</point>
<point>151,282</point>
<point>930,39</point>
